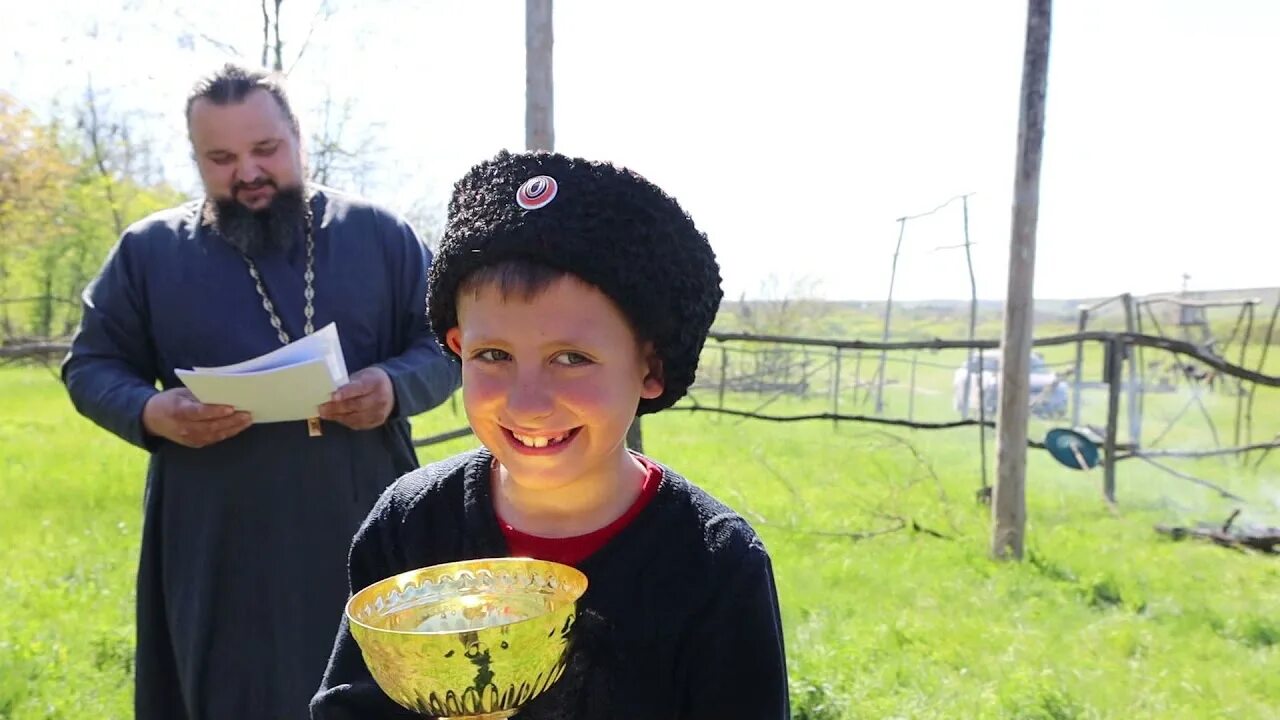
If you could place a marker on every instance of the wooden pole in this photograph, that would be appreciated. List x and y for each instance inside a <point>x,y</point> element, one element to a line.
<point>982,416</point>
<point>1131,392</point>
<point>724,372</point>
<point>1114,370</point>
<point>973,314</point>
<point>911,394</point>
<point>1078,379</point>
<point>539,127</point>
<point>635,437</point>
<point>1009,502</point>
<point>804,375</point>
<point>835,389</point>
<point>1240,393</point>
<point>539,116</point>
<point>858,372</point>
<point>888,311</point>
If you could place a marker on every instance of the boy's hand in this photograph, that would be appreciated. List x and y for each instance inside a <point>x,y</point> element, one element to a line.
<point>177,415</point>
<point>363,403</point>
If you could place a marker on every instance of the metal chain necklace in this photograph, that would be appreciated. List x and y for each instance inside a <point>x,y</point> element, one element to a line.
<point>308,294</point>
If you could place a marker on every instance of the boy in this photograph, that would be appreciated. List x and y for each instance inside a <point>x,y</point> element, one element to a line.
<point>578,295</point>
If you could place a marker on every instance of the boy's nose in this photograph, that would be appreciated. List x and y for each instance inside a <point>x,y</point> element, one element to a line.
<point>529,399</point>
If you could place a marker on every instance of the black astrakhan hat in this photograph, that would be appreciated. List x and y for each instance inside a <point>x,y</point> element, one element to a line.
<point>602,223</point>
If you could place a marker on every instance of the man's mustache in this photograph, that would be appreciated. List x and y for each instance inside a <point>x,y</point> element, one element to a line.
<point>255,185</point>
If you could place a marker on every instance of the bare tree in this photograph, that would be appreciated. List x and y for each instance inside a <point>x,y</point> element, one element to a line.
<point>337,155</point>
<point>783,308</point>
<point>274,35</point>
<point>426,217</point>
<point>272,40</point>
<point>268,21</point>
<point>90,122</point>
<point>324,12</point>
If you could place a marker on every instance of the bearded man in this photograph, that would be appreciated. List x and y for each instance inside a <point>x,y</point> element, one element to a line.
<point>247,526</point>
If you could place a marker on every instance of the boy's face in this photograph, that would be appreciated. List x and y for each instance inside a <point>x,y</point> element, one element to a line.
<point>551,383</point>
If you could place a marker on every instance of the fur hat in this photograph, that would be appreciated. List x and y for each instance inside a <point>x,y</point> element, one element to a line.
<point>604,224</point>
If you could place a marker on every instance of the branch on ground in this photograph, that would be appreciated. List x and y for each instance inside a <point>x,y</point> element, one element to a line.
<point>1257,538</point>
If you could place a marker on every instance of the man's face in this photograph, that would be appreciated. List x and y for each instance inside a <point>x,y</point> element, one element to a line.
<point>245,151</point>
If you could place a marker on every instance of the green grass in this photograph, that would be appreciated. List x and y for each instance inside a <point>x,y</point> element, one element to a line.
<point>1105,619</point>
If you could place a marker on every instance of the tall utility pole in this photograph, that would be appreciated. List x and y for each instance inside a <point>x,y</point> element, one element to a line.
<point>539,118</point>
<point>1009,503</point>
<point>539,125</point>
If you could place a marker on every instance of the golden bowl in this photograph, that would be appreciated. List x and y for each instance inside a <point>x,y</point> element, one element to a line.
<point>471,639</point>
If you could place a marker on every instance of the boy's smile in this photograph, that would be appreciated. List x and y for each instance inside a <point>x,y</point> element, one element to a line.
<point>550,384</point>
<point>541,443</point>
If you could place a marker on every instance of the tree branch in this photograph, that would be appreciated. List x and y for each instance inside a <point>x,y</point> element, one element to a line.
<point>328,13</point>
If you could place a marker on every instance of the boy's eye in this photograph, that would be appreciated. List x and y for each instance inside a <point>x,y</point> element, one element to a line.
<point>571,358</point>
<point>491,355</point>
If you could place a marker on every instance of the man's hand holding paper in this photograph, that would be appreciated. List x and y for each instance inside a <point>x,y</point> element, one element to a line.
<point>177,415</point>
<point>363,403</point>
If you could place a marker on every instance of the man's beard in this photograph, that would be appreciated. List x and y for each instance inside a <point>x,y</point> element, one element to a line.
<point>258,232</point>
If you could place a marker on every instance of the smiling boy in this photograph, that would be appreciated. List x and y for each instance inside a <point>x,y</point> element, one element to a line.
<point>578,295</point>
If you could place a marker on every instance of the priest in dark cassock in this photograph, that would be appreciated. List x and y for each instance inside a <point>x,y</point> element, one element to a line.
<point>247,526</point>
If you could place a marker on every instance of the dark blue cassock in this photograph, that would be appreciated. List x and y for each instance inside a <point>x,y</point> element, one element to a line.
<point>242,577</point>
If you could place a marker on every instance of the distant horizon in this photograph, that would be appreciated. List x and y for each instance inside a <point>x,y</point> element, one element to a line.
<point>1263,293</point>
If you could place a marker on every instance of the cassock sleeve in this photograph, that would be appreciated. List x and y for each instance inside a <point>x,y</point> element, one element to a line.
<point>110,372</point>
<point>422,376</point>
<point>735,662</point>
<point>347,690</point>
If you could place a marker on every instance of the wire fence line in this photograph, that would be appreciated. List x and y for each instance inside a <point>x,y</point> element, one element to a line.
<point>814,377</point>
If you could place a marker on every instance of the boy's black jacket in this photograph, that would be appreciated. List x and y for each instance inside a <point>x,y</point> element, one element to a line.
<point>680,619</point>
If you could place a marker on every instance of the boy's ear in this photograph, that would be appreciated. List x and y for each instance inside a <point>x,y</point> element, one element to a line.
<point>453,338</point>
<point>654,383</point>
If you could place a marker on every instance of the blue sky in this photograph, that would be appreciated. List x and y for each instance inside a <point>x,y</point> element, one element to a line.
<point>795,134</point>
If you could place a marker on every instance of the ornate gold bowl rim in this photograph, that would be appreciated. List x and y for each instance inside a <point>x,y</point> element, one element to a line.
<point>573,589</point>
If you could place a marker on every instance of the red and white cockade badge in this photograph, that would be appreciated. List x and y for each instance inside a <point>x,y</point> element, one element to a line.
<point>537,192</point>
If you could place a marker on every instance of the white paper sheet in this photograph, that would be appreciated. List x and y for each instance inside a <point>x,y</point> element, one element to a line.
<point>323,343</point>
<point>282,385</point>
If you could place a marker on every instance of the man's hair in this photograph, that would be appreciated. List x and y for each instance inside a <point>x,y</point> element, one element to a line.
<point>232,83</point>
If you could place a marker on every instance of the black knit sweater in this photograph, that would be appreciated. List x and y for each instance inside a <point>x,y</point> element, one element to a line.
<point>680,618</point>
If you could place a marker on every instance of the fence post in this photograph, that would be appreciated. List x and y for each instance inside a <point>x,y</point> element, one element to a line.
<point>724,371</point>
<point>1240,393</point>
<point>911,392</point>
<point>835,391</point>
<point>804,376</point>
<point>1114,365</point>
<point>888,311</point>
<point>982,416</point>
<point>635,439</point>
<point>1079,373</point>
<point>857,375</point>
<point>1135,414</point>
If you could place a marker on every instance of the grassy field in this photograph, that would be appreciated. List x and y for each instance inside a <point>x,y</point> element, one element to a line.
<point>1105,619</point>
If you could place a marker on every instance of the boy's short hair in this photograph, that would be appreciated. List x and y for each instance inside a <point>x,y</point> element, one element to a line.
<point>519,277</point>
<point>604,224</point>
